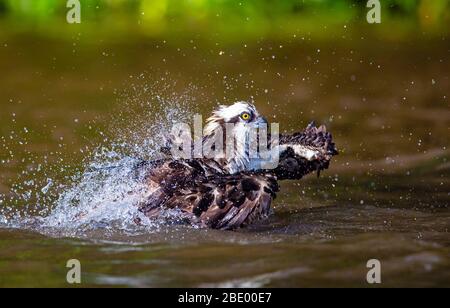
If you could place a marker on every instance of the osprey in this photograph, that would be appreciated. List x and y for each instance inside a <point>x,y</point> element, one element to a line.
<point>233,190</point>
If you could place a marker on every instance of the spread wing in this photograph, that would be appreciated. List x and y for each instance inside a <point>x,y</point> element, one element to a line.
<point>305,152</point>
<point>204,196</point>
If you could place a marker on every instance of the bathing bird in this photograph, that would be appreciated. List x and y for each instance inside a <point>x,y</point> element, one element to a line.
<point>234,187</point>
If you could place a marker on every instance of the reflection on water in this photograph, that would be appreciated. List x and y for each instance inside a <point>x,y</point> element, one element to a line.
<point>386,196</point>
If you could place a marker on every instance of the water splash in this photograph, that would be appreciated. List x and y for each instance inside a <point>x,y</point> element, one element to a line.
<point>106,192</point>
<point>105,196</point>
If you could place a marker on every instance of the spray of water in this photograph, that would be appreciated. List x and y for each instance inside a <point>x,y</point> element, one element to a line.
<point>105,193</point>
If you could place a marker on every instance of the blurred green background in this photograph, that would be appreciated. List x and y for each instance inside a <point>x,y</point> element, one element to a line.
<point>229,18</point>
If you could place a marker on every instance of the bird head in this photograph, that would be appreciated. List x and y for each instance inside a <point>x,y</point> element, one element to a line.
<point>239,120</point>
<point>242,115</point>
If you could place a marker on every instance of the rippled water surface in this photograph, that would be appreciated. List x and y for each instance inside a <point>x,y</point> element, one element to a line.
<point>75,116</point>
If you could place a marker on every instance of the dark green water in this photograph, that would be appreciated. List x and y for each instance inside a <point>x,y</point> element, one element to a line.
<point>385,197</point>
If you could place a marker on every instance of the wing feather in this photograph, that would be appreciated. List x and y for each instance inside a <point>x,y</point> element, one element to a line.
<point>207,197</point>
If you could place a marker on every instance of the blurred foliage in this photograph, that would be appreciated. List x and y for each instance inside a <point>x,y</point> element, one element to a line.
<point>254,17</point>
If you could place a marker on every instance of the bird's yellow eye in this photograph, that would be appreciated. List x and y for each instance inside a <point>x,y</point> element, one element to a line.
<point>245,116</point>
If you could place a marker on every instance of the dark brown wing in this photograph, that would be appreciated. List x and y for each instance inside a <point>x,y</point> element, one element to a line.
<point>207,197</point>
<point>166,178</point>
<point>315,139</point>
<point>231,201</point>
